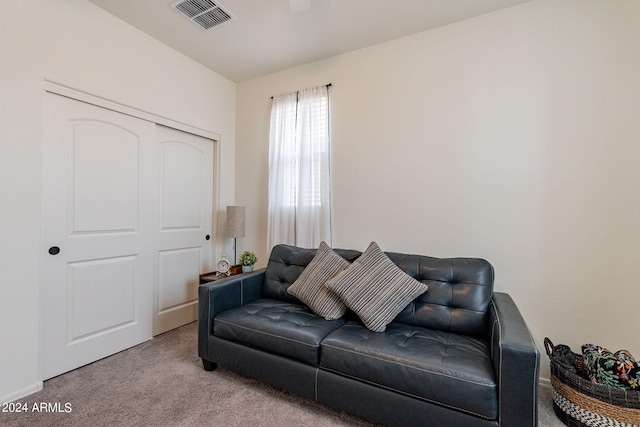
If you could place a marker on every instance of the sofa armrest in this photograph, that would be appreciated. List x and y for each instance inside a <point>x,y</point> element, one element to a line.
<point>517,363</point>
<point>221,295</point>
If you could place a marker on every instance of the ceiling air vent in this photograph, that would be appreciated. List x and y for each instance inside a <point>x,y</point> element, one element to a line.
<point>205,13</point>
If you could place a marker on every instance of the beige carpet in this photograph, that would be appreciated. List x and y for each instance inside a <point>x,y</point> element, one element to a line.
<point>162,383</point>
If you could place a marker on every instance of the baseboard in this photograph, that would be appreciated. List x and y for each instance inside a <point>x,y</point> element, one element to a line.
<point>22,393</point>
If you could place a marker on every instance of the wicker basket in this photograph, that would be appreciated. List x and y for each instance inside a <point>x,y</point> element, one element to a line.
<point>578,402</point>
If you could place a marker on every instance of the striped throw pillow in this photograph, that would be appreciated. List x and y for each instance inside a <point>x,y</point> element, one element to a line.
<point>375,288</point>
<point>310,286</point>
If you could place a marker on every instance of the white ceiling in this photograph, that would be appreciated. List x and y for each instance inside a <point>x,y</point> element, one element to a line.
<point>273,35</point>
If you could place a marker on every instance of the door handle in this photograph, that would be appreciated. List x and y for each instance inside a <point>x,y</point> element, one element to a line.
<point>54,250</point>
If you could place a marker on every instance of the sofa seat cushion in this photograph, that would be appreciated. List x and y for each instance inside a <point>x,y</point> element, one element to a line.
<point>444,368</point>
<point>285,328</point>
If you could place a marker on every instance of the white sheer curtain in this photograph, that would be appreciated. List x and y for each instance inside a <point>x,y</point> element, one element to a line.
<point>299,183</point>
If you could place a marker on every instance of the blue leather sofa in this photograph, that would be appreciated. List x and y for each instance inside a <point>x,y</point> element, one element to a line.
<point>458,355</point>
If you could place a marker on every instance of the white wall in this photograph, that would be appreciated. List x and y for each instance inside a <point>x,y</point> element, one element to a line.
<point>513,136</point>
<point>74,43</point>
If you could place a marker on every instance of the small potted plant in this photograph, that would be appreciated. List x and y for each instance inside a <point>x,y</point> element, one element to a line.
<point>247,259</point>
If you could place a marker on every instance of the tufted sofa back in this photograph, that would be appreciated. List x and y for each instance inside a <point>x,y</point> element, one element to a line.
<point>285,265</point>
<point>460,289</point>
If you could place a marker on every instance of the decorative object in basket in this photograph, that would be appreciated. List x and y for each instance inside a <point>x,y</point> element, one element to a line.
<point>579,402</point>
<point>616,370</point>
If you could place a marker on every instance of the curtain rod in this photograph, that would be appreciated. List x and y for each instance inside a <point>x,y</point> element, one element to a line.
<point>328,85</point>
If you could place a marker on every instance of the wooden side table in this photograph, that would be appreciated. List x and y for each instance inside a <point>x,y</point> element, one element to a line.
<point>213,276</point>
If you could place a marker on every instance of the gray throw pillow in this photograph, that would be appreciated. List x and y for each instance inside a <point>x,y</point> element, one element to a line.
<point>375,288</point>
<point>310,286</point>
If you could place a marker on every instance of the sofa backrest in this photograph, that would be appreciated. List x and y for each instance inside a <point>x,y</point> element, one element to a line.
<point>460,289</point>
<point>285,265</point>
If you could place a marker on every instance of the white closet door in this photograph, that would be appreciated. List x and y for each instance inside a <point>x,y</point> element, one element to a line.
<point>99,224</point>
<point>186,218</point>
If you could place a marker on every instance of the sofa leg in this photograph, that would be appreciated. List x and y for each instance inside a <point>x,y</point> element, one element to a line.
<point>208,365</point>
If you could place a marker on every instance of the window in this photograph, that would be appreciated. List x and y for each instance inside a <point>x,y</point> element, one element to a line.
<point>299,156</point>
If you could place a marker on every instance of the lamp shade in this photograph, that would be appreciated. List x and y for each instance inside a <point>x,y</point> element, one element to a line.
<point>235,221</point>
